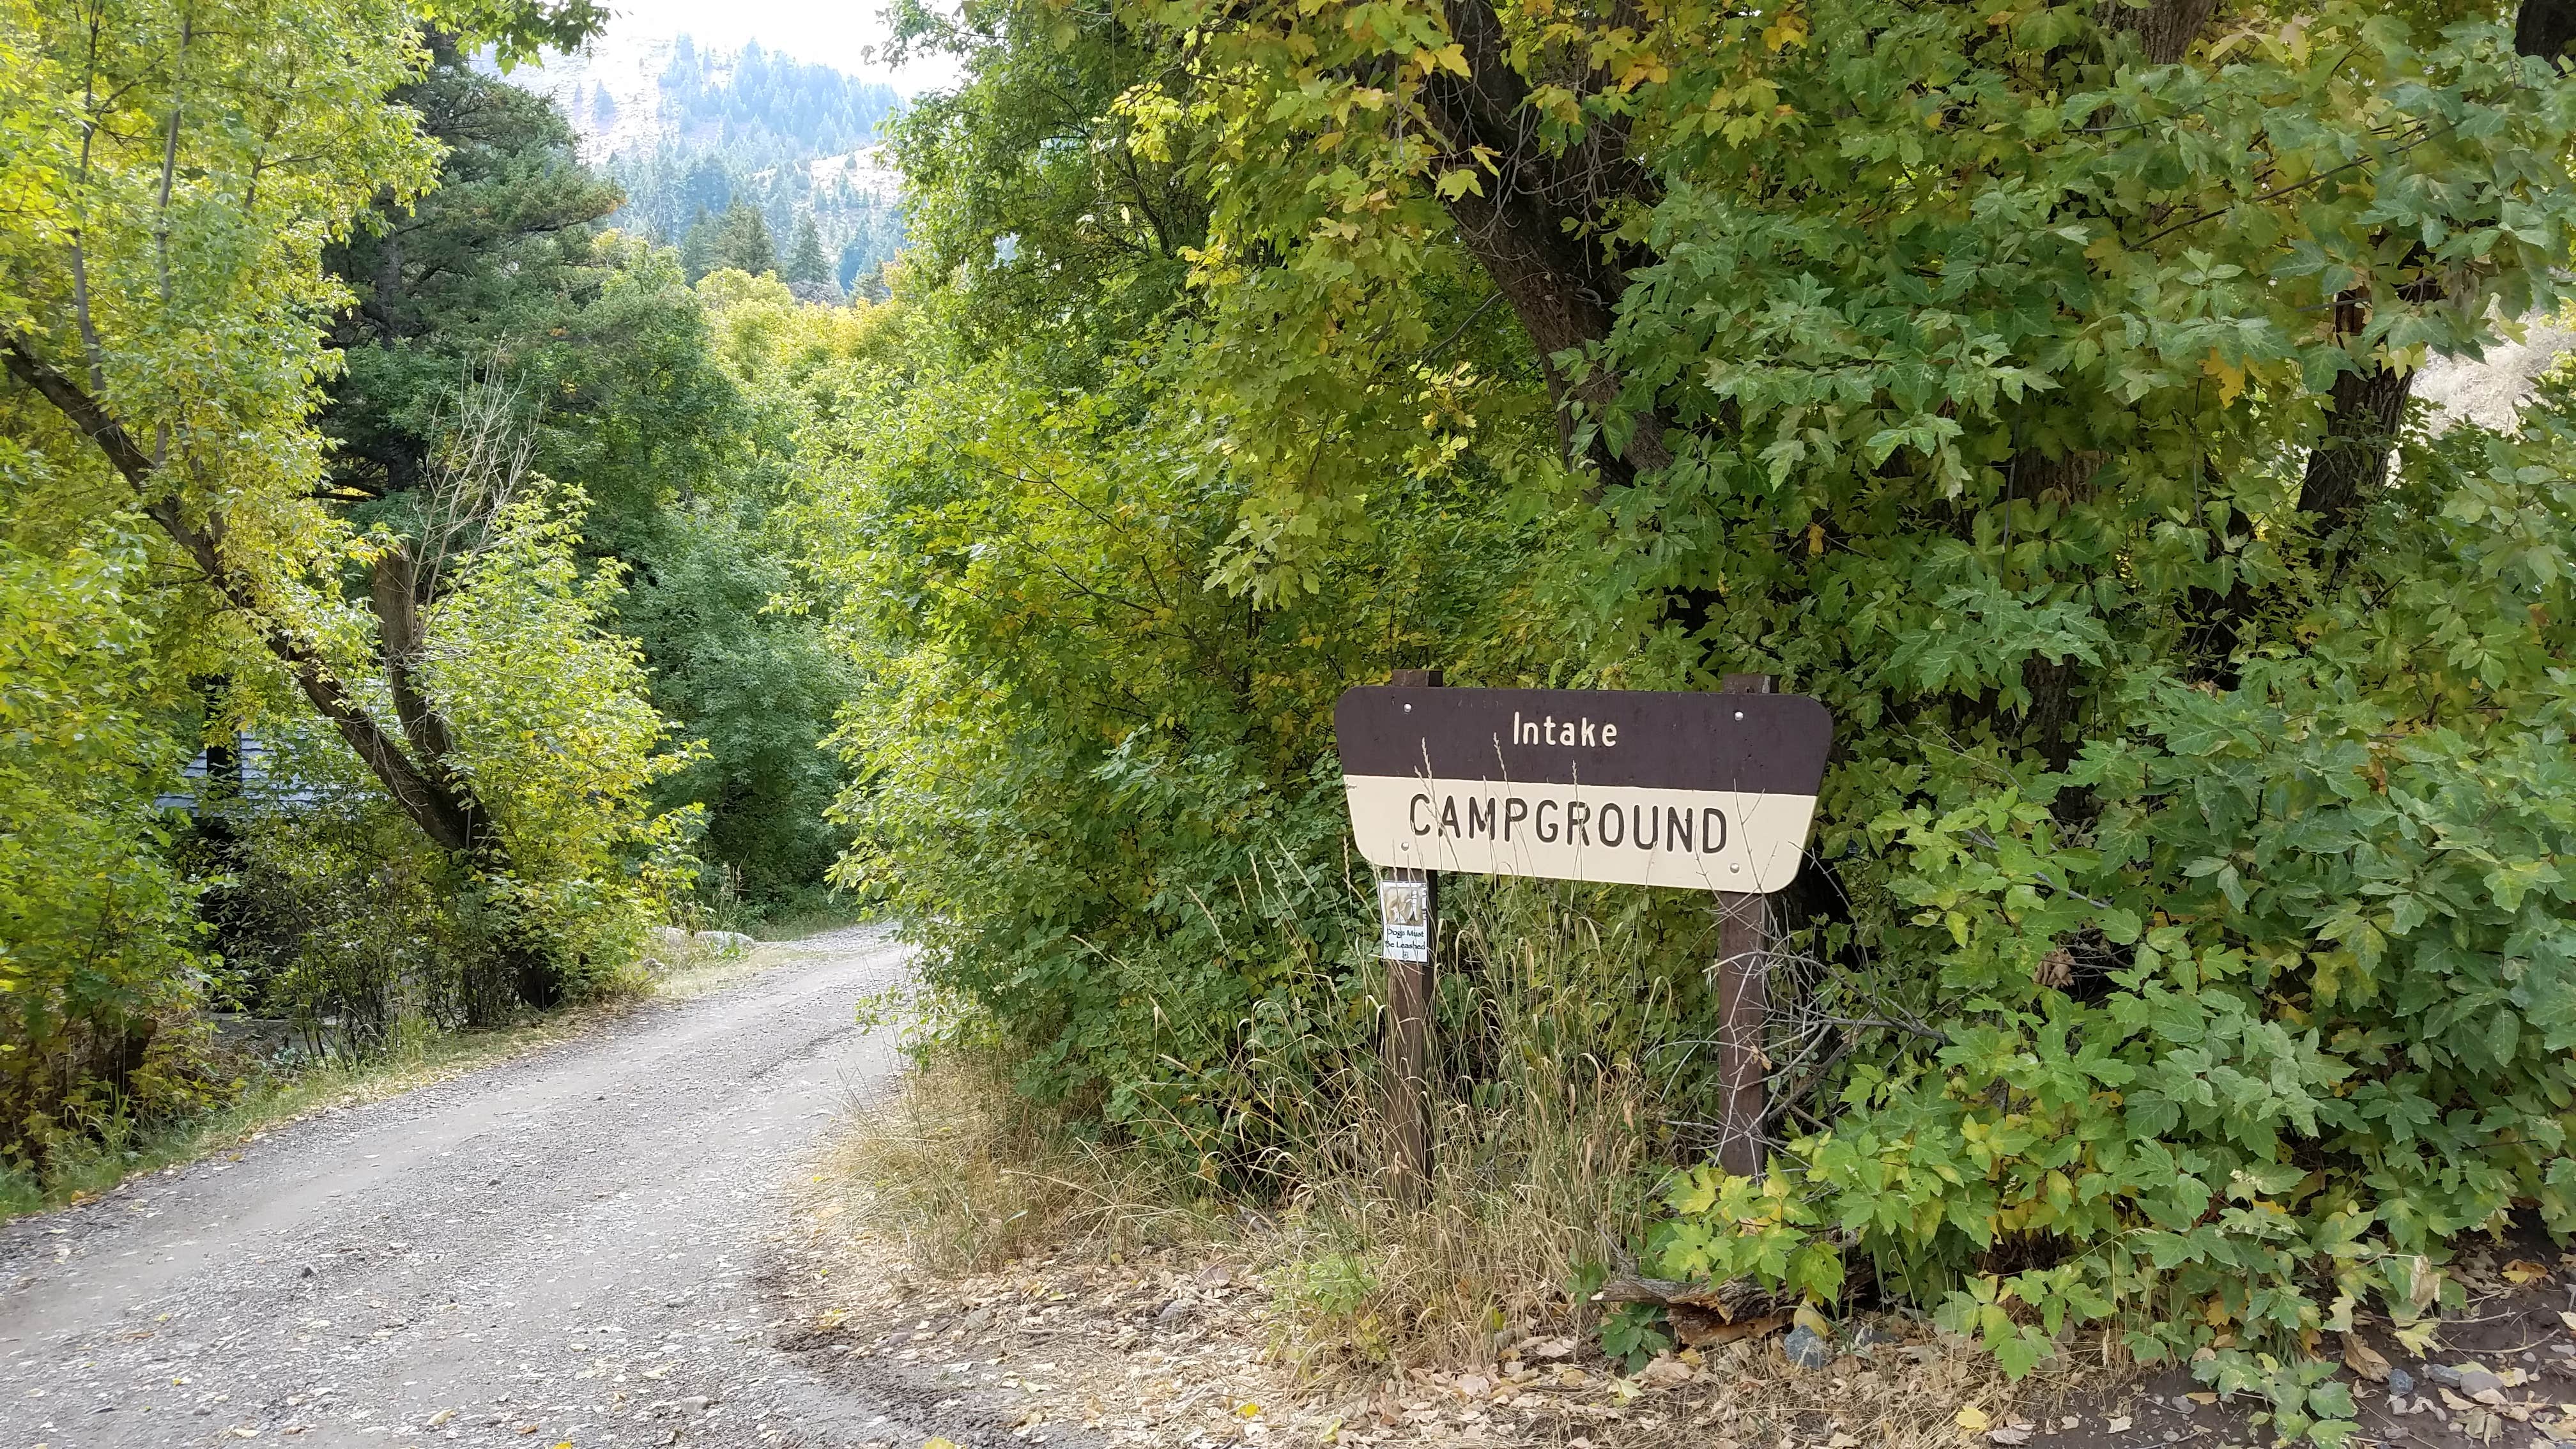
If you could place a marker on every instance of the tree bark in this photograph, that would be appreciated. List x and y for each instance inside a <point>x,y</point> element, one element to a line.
<point>2165,29</point>
<point>445,812</point>
<point>1528,227</point>
<point>2543,28</point>
<point>2350,462</point>
<point>394,590</point>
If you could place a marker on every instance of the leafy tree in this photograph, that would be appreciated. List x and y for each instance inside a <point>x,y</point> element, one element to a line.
<point>1026,179</point>
<point>2023,382</point>
<point>1094,788</point>
<point>145,235</point>
<point>96,974</point>
<point>557,729</point>
<point>164,268</point>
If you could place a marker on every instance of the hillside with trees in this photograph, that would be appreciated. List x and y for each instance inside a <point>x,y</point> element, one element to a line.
<point>721,137</point>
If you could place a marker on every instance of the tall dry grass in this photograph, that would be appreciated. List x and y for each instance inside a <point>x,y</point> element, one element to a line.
<point>1542,1127</point>
<point>963,1173</point>
<point>1541,1150</point>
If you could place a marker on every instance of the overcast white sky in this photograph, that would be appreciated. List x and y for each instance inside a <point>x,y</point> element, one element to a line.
<point>837,33</point>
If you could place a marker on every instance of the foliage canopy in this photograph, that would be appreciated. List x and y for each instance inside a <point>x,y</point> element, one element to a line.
<point>2026,383</point>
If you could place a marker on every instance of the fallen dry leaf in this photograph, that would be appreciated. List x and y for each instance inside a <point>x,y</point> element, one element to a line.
<point>2364,1360</point>
<point>2119,1424</point>
<point>1699,1328</point>
<point>1972,1418</point>
<point>2014,1434</point>
<point>2523,1270</point>
<point>1665,1373</point>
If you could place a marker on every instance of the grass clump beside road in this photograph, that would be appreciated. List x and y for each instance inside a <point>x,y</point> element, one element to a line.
<point>269,1092</point>
<point>1540,1136</point>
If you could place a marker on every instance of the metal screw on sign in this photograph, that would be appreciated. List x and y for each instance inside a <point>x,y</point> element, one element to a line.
<point>1409,916</point>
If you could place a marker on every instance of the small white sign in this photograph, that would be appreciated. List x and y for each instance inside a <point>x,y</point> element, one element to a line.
<point>1404,911</point>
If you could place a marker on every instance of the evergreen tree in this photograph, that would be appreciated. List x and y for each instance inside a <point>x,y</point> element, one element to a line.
<point>500,273</point>
<point>491,255</point>
<point>742,240</point>
<point>805,261</point>
<point>698,247</point>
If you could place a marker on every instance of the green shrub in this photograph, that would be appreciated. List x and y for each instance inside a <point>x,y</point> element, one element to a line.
<point>2330,1031</point>
<point>97,978</point>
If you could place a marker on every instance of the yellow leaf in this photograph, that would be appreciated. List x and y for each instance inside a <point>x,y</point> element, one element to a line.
<point>1790,29</point>
<point>2523,1270</point>
<point>1973,1419</point>
<point>1815,539</point>
<point>2231,380</point>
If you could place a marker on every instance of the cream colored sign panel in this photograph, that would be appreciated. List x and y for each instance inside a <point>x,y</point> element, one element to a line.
<point>1631,835</point>
<point>1706,791</point>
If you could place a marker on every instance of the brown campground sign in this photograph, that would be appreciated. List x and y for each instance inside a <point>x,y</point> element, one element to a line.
<point>1708,791</point>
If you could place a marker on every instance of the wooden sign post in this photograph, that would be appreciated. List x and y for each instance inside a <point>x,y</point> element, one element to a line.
<point>1709,791</point>
<point>1744,1007</point>
<point>1409,933</point>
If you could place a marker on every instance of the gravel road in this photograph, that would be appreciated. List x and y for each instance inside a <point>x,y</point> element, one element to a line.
<point>580,1245</point>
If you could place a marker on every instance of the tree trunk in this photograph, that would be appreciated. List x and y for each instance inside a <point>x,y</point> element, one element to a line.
<point>2350,462</point>
<point>2544,28</point>
<point>2165,29</point>
<point>1530,228</point>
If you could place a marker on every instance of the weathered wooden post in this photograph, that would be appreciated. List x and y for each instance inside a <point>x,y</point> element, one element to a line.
<point>1744,1007</point>
<point>1409,935</point>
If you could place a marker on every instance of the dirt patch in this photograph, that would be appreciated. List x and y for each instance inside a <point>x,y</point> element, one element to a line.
<point>1189,1345</point>
<point>1181,1348</point>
